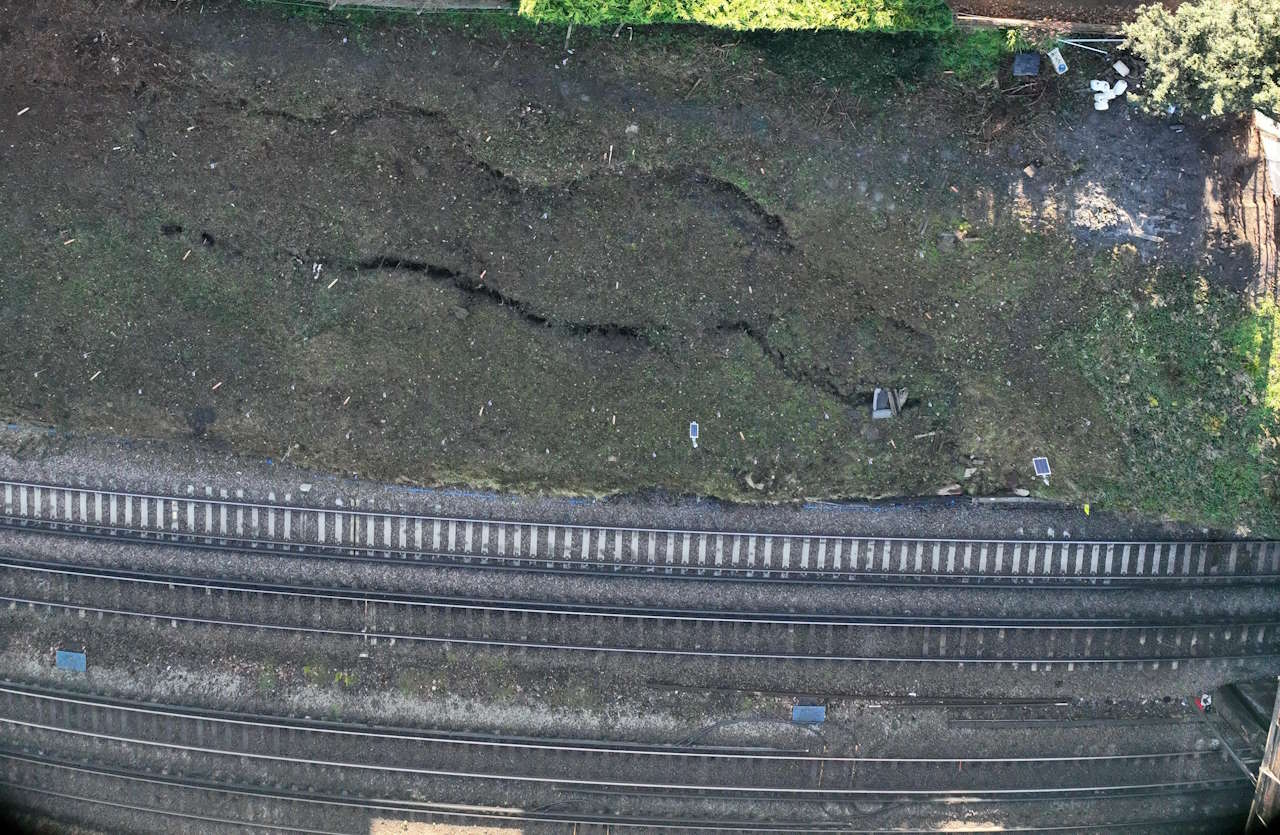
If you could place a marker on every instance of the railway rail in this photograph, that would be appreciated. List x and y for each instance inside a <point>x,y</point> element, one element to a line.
<point>287,527</point>
<point>179,800</point>
<point>375,616</point>
<point>346,757</point>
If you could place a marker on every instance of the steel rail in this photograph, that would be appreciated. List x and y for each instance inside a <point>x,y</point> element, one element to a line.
<point>279,723</point>
<point>472,812</point>
<point>576,782</point>
<point>366,635</point>
<point>560,566</point>
<point>705,616</point>
<point>350,530</point>
<point>331,726</point>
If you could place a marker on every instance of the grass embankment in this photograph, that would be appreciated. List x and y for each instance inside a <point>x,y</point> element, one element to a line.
<point>847,15</point>
<point>1193,374</point>
<point>770,241</point>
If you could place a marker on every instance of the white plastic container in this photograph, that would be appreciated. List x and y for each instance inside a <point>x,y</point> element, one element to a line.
<point>1118,88</point>
<point>1121,68</point>
<point>1100,101</point>
<point>1055,58</point>
<point>1099,86</point>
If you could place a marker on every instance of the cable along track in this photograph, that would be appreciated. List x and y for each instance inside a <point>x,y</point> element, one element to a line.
<point>286,527</point>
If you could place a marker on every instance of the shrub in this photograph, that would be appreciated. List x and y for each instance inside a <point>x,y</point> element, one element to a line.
<point>852,15</point>
<point>1211,56</point>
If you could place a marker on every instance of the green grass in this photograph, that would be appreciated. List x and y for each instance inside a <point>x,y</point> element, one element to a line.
<point>856,62</point>
<point>1195,377</point>
<point>974,55</point>
<point>848,15</point>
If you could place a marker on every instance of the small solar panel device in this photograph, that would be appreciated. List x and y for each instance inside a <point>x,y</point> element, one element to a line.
<point>1042,467</point>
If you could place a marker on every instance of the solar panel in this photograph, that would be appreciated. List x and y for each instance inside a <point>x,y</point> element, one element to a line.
<point>1026,64</point>
<point>1042,467</point>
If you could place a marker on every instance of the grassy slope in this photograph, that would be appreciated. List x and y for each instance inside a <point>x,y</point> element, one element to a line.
<point>849,15</point>
<point>1155,392</point>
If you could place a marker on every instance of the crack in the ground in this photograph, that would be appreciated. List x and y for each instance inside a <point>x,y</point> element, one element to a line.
<point>474,288</point>
<point>369,114</point>
<point>819,379</point>
<point>383,111</point>
<point>677,174</point>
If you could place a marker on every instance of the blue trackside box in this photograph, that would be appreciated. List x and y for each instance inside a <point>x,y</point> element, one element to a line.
<point>67,660</point>
<point>809,714</point>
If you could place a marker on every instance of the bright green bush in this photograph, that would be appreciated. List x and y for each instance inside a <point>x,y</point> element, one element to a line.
<point>1211,56</point>
<point>850,15</point>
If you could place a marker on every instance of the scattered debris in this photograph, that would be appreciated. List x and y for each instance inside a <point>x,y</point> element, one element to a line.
<point>216,386</point>
<point>887,403</point>
<point>23,110</point>
<point>304,488</point>
<point>925,435</point>
<point>459,312</point>
<point>331,283</point>
<point>1103,92</point>
<point>1021,491</point>
<point>1030,171</point>
<point>951,490</point>
<point>969,472</point>
<point>632,130</point>
<point>751,483</point>
<point>95,376</point>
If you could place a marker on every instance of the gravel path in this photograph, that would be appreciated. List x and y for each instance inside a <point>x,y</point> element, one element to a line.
<point>38,454</point>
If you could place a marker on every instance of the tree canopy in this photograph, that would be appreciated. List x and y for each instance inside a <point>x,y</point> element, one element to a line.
<point>1210,56</point>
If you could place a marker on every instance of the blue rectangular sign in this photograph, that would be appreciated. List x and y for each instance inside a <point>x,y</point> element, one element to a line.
<point>66,660</point>
<point>809,714</point>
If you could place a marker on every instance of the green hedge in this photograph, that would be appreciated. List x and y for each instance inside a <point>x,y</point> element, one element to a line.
<point>850,15</point>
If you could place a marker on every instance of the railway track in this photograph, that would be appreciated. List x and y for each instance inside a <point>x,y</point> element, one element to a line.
<point>762,636</point>
<point>197,805</point>
<point>286,527</point>
<point>316,749</point>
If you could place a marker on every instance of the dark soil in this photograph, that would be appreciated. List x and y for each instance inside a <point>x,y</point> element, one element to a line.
<point>1077,11</point>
